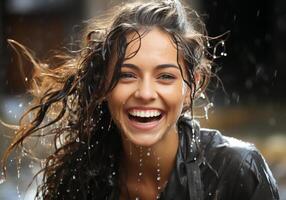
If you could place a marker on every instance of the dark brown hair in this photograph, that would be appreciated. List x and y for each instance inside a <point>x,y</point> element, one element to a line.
<point>71,95</point>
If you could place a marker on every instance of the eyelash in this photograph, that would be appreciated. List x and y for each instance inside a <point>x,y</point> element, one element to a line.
<point>128,75</point>
<point>167,77</point>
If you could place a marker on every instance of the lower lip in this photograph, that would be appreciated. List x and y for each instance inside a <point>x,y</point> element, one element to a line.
<point>145,126</point>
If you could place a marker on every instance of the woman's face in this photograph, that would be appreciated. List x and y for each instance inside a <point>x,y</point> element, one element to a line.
<point>148,99</point>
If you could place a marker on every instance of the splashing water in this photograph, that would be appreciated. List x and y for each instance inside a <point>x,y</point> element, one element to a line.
<point>19,168</point>
<point>18,192</point>
<point>219,50</point>
<point>148,152</point>
<point>31,165</point>
<point>206,109</point>
<point>2,178</point>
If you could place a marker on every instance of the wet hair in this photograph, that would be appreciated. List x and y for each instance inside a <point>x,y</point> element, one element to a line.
<point>69,98</point>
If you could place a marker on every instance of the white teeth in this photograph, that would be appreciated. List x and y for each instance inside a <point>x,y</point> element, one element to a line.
<point>144,113</point>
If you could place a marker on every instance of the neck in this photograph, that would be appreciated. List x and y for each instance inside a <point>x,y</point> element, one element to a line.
<point>149,166</point>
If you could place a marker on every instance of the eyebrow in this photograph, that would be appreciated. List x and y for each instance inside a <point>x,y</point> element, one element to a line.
<point>161,66</point>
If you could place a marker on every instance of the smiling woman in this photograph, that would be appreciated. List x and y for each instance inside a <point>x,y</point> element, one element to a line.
<point>147,101</point>
<point>121,114</point>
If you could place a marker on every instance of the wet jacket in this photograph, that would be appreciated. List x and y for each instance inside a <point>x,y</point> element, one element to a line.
<point>212,166</point>
<point>209,166</point>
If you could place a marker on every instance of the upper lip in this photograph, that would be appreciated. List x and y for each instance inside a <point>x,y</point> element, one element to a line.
<point>143,108</point>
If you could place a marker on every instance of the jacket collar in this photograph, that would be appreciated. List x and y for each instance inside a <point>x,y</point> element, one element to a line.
<point>185,180</point>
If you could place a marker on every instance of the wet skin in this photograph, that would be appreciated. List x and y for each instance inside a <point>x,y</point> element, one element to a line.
<point>150,83</point>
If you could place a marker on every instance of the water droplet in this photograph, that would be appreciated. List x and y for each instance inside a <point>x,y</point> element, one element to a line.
<point>148,153</point>
<point>206,109</point>
<point>158,178</point>
<point>2,179</point>
<point>73,177</point>
<point>140,173</point>
<point>19,168</point>
<point>31,165</point>
<point>202,95</point>
<point>18,192</point>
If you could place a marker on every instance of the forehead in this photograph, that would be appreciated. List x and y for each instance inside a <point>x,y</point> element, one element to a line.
<point>153,44</point>
<point>153,47</point>
<point>149,47</point>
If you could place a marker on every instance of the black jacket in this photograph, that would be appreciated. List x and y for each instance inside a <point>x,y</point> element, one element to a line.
<point>212,166</point>
<point>209,166</point>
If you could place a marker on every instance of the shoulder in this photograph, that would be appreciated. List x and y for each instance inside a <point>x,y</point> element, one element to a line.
<point>213,142</point>
<point>237,164</point>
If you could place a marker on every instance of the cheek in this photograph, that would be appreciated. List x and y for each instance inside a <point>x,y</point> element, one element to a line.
<point>174,96</point>
<point>116,100</point>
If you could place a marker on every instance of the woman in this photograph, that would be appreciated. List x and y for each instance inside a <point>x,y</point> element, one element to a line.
<point>123,114</point>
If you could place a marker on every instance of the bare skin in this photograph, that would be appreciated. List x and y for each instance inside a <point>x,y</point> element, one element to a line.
<point>147,187</point>
<point>151,83</point>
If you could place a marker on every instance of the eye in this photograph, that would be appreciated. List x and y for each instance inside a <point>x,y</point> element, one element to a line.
<point>167,77</point>
<point>127,75</point>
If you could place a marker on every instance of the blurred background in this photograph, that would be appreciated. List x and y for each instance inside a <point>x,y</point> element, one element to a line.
<point>250,104</point>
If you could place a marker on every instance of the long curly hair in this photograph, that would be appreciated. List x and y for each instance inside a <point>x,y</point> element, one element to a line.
<point>69,98</point>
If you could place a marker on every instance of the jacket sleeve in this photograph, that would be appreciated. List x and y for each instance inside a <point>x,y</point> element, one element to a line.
<point>254,179</point>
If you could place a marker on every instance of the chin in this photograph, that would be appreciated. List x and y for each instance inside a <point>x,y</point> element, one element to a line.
<point>145,140</point>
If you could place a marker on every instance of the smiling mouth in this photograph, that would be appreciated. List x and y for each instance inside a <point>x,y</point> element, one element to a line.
<point>144,119</point>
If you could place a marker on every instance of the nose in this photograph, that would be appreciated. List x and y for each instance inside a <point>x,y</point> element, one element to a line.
<point>146,91</point>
